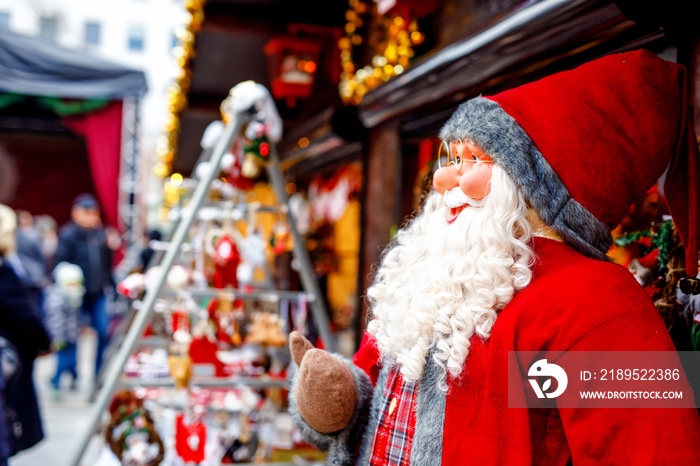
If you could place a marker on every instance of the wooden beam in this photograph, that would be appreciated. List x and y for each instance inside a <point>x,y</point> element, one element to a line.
<point>380,207</point>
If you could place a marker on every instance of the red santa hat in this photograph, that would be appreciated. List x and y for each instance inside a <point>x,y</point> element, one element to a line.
<point>584,144</point>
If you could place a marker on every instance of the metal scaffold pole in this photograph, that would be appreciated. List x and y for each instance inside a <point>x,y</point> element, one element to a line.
<point>116,365</point>
<point>308,279</point>
<point>130,215</point>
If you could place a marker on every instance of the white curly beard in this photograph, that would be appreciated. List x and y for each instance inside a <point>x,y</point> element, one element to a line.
<point>440,283</point>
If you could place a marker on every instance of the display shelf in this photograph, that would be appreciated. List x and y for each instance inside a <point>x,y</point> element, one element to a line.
<point>231,293</point>
<point>226,211</point>
<point>155,341</point>
<point>205,382</point>
<point>199,208</point>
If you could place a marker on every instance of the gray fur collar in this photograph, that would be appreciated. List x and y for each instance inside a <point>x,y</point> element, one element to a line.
<point>430,417</point>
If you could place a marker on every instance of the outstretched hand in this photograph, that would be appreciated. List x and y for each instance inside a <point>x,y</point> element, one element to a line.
<point>325,390</point>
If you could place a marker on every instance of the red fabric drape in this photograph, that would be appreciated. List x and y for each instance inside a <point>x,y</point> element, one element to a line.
<point>102,130</point>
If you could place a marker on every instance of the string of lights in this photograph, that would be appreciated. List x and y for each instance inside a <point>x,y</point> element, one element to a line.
<point>392,37</point>
<point>176,94</point>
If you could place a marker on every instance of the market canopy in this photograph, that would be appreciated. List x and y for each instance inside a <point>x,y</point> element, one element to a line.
<point>84,96</point>
<point>32,66</point>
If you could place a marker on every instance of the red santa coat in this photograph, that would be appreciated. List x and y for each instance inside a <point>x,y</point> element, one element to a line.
<point>572,303</point>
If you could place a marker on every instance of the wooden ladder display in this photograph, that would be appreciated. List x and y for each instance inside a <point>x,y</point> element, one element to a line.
<point>115,367</point>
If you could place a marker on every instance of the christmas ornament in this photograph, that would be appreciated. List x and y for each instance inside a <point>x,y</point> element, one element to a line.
<point>226,260</point>
<point>179,361</point>
<point>131,432</point>
<point>266,330</point>
<point>280,240</point>
<point>132,286</point>
<point>190,440</point>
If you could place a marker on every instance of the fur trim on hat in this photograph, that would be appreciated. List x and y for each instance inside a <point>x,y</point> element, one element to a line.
<point>484,123</point>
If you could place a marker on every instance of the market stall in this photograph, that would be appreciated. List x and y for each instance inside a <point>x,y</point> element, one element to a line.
<point>290,47</point>
<point>69,124</point>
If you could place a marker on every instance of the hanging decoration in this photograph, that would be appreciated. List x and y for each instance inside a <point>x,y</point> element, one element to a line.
<point>176,93</point>
<point>292,67</point>
<point>226,260</point>
<point>329,198</point>
<point>256,153</point>
<point>131,433</point>
<point>266,330</point>
<point>60,106</point>
<point>190,439</point>
<point>392,37</point>
<point>179,360</point>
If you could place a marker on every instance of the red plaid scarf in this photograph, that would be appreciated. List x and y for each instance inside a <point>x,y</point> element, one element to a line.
<point>397,423</point>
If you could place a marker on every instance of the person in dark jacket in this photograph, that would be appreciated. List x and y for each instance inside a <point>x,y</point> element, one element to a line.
<point>21,325</point>
<point>31,258</point>
<point>83,242</point>
<point>147,254</point>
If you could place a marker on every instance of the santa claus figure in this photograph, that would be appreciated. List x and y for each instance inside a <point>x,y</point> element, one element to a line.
<point>508,254</point>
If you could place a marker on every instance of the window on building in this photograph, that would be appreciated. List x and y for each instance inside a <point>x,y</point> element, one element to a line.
<point>4,20</point>
<point>92,33</point>
<point>136,38</point>
<point>48,27</point>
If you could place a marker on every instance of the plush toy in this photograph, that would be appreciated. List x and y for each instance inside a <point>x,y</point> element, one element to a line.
<point>203,352</point>
<point>508,254</point>
<point>132,286</point>
<point>281,238</point>
<point>178,277</point>
<point>226,259</point>
<point>190,439</point>
<point>266,330</point>
<point>179,360</point>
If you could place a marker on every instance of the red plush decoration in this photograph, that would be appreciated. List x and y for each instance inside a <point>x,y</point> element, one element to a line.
<point>226,260</point>
<point>190,440</point>
<point>203,351</point>
<point>180,320</point>
<point>235,177</point>
<point>581,122</point>
<point>367,357</point>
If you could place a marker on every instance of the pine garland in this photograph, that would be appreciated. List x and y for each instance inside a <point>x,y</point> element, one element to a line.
<point>662,238</point>
<point>61,107</point>
<point>632,237</point>
<point>664,242</point>
<point>259,147</point>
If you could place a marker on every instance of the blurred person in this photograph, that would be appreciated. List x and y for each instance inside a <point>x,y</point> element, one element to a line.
<point>62,307</point>
<point>47,228</point>
<point>32,263</point>
<point>21,326</point>
<point>147,253</point>
<point>83,242</point>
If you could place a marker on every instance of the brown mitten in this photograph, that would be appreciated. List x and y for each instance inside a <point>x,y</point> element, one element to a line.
<point>325,390</point>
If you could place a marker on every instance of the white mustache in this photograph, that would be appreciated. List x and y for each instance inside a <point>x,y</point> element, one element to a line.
<point>455,197</point>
